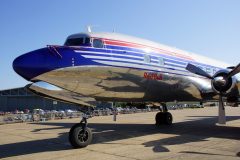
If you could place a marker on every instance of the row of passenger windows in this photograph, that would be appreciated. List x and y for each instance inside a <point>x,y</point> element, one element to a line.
<point>97,43</point>
<point>161,62</point>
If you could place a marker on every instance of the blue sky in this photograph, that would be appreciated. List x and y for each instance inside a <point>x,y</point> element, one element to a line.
<point>207,27</point>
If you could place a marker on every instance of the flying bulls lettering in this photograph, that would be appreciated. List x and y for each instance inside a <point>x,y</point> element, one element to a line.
<point>153,76</point>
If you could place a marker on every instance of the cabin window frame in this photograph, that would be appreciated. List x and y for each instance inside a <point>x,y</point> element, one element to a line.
<point>92,42</point>
<point>161,61</point>
<point>147,58</point>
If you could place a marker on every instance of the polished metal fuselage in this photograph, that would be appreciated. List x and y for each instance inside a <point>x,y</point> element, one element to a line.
<point>128,85</point>
<point>126,69</point>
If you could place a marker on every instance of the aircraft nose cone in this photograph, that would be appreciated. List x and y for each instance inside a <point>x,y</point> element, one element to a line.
<point>31,64</point>
<point>22,67</point>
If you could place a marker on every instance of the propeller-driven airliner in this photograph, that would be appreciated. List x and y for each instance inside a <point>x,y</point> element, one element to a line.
<point>113,67</point>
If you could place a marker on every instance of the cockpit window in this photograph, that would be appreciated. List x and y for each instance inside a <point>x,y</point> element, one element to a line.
<point>77,41</point>
<point>74,42</point>
<point>87,40</point>
<point>98,43</point>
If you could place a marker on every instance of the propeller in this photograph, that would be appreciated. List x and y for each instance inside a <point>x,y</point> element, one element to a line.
<point>221,82</point>
<point>235,71</point>
<point>196,70</point>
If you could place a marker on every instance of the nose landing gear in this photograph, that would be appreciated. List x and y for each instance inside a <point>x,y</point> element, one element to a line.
<point>163,117</point>
<point>80,135</point>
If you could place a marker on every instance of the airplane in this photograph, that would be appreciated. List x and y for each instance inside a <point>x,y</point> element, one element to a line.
<point>113,67</point>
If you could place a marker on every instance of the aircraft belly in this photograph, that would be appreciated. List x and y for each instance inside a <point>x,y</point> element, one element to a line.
<point>106,83</point>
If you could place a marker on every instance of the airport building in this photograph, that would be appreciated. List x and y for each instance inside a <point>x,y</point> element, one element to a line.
<point>20,99</point>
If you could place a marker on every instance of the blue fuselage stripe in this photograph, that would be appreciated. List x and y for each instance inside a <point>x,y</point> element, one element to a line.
<point>126,60</point>
<point>140,53</point>
<point>126,53</point>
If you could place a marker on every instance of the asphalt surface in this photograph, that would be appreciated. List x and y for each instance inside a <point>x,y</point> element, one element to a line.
<point>194,135</point>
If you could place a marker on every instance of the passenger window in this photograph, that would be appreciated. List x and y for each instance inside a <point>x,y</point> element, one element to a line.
<point>147,58</point>
<point>160,61</point>
<point>97,43</point>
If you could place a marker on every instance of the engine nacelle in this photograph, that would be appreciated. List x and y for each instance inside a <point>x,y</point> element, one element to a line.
<point>222,84</point>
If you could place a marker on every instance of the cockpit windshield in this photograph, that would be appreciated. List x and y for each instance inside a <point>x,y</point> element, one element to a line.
<point>77,41</point>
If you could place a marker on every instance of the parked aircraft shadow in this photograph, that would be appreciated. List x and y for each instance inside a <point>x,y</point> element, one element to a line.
<point>185,132</point>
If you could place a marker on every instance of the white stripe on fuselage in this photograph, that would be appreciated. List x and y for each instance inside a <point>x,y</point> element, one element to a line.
<point>166,57</point>
<point>122,64</point>
<point>125,58</point>
<point>129,51</point>
<point>134,61</point>
<point>112,54</point>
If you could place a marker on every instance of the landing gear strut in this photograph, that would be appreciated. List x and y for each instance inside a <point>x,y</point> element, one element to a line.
<point>163,117</point>
<point>80,135</point>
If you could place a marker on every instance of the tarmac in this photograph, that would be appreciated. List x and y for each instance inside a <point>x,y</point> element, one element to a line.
<point>194,135</point>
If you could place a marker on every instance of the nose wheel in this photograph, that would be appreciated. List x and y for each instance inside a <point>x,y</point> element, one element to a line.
<point>164,117</point>
<point>80,135</point>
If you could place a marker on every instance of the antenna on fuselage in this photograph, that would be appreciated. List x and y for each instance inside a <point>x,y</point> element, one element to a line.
<point>89,29</point>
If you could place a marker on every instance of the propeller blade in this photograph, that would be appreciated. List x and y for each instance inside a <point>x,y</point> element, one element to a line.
<point>221,111</point>
<point>236,70</point>
<point>196,70</point>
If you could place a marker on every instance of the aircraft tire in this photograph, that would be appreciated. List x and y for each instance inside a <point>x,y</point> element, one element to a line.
<point>77,137</point>
<point>163,118</point>
<point>168,118</point>
<point>159,118</point>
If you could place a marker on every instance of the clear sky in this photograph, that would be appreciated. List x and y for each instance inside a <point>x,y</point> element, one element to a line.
<point>207,27</point>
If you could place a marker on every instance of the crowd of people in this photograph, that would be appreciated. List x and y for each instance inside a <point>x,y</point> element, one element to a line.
<point>45,115</point>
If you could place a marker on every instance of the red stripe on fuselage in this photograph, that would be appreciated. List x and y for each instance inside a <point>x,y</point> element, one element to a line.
<point>145,47</point>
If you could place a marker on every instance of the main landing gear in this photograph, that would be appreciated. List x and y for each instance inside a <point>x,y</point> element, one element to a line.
<point>163,117</point>
<point>80,135</point>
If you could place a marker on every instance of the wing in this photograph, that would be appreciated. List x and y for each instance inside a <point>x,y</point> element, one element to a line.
<point>50,91</point>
